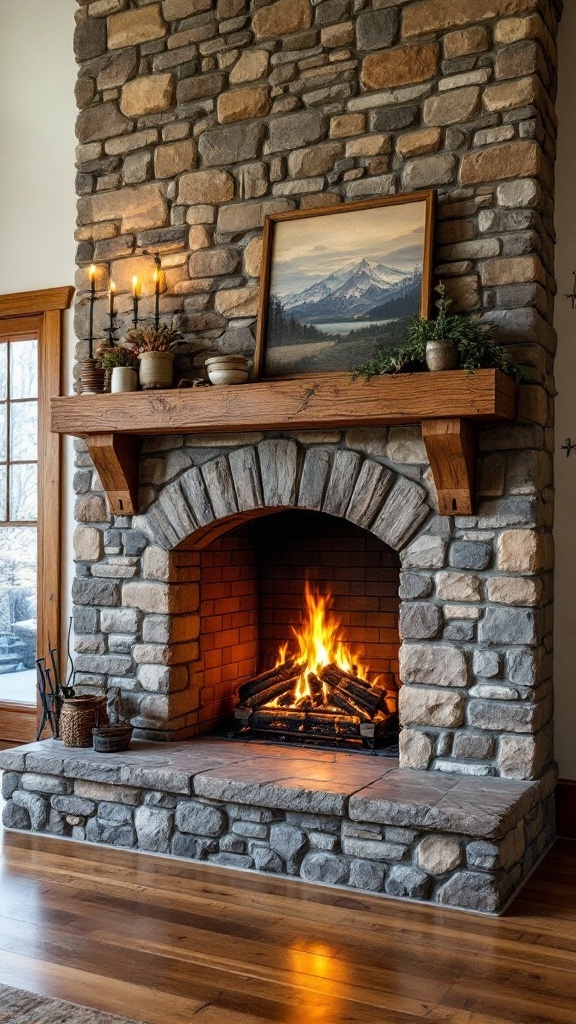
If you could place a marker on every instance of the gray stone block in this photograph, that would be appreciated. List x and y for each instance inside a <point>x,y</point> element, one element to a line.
<point>292,131</point>
<point>288,842</point>
<point>315,822</point>
<point>96,592</point>
<point>407,881</point>
<point>14,816</point>
<point>117,814</point>
<point>36,807</point>
<point>278,464</point>
<point>459,631</point>
<point>465,554</point>
<point>232,844</point>
<point>134,542</point>
<point>470,890</point>
<point>370,849</point>
<point>73,805</point>
<point>154,827</point>
<point>341,483</point>
<point>57,825</point>
<point>372,485</point>
<point>45,783</point>
<point>404,511</point>
<point>420,621</point>
<point>247,483</point>
<point>321,841</point>
<point>160,800</point>
<point>250,829</point>
<point>185,846</point>
<point>98,831</point>
<point>486,664</point>
<point>522,667</point>
<point>236,143</point>
<point>324,867</point>
<point>85,620</point>
<point>484,855</point>
<point>414,585</point>
<point>508,626</point>
<point>376,30</point>
<point>200,819</point>
<point>315,472</point>
<point>268,860</point>
<point>220,487</point>
<point>393,118</point>
<point>365,874</point>
<point>232,860</point>
<point>10,782</point>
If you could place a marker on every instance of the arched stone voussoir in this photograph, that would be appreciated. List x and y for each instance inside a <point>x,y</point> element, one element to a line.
<point>280,474</point>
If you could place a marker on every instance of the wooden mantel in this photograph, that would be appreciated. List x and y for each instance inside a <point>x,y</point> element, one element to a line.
<point>446,404</point>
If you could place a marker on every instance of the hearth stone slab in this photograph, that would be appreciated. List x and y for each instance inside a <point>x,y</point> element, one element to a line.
<point>333,817</point>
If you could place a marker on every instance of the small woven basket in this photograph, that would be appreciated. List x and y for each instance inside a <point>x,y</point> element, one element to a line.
<point>78,717</point>
<point>110,739</point>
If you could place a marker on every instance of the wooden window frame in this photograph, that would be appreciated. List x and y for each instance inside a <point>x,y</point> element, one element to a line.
<point>45,309</point>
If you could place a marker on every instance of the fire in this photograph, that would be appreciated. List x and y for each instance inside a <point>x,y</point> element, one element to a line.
<point>320,644</point>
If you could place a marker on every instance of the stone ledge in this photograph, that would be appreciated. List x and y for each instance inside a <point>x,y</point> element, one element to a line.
<point>305,780</point>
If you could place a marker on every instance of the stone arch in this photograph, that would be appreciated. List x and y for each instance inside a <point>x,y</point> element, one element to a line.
<point>281,474</point>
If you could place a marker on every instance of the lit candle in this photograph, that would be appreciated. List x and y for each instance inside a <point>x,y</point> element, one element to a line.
<point>157,297</point>
<point>111,294</point>
<point>92,276</point>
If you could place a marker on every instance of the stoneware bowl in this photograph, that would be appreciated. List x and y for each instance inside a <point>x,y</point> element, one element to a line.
<point>227,369</point>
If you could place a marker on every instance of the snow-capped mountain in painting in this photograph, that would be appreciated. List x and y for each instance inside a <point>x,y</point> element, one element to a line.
<point>354,292</point>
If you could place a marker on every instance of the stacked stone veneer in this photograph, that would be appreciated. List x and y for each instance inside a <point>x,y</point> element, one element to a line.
<point>198,118</point>
<point>476,696</point>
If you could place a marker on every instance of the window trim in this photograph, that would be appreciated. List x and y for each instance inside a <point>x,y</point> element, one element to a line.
<point>46,307</point>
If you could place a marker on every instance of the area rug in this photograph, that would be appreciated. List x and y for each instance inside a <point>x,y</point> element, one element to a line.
<point>17,1007</point>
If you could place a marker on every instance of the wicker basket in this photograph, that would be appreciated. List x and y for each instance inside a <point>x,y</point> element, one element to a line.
<point>109,739</point>
<point>79,716</point>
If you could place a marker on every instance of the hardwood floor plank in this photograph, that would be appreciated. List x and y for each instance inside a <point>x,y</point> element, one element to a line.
<point>172,942</point>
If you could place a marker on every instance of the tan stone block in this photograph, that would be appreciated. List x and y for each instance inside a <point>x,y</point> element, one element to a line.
<point>90,508</point>
<point>425,140</point>
<point>457,586</point>
<point>199,237</point>
<point>512,30</point>
<point>515,590</point>
<point>369,145</point>
<point>281,18</point>
<point>201,187</point>
<point>213,262</point>
<point>148,597</point>
<point>437,855</point>
<point>241,104</point>
<point>491,476</point>
<point>453,107</point>
<point>464,292</point>
<point>137,209</point>
<point>344,125</point>
<point>415,749</point>
<point>253,257</point>
<point>201,214</point>
<point>103,791</point>
<point>317,199</point>
<point>156,564</point>
<point>521,551</point>
<point>129,28</point>
<point>419,706</point>
<point>533,405</point>
<point>337,35</point>
<point>314,160</point>
<point>237,302</point>
<point>509,95</point>
<point>520,159</point>
<point>88,544</point>
<point>460,611</point>
<point>430,16</point>
<point>176,9</point>
<point>175,158</point>
<point>467,40</point>
<point>147,95</point>
<point>251,65</point>
<point>514,270</point>
<point>523,757</point>
<point>254,180</point>
<point>406,65</point>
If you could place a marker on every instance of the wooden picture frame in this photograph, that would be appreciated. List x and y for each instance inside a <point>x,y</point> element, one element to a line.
<point>332,253</point>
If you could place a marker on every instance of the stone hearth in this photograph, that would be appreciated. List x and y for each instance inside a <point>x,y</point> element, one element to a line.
<point>338,818</point>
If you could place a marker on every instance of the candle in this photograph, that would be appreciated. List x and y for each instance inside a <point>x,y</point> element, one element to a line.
<point>92,276</point>
<point>111,294</point>
<point>157,297</point>
<point>135,294</point>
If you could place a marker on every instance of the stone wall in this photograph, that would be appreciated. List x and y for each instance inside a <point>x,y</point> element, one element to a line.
<point>199,118</point>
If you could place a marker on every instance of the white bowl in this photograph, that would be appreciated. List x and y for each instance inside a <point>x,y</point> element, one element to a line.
<point>227,375</point>
<point>237,361</point>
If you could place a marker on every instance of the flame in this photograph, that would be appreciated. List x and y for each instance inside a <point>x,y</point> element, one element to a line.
<point>320,644</point>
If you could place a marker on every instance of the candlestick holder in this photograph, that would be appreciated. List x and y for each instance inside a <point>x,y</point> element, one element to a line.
<point>112,330</point>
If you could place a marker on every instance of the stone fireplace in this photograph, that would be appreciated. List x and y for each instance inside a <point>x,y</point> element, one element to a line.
<point>196,120</point>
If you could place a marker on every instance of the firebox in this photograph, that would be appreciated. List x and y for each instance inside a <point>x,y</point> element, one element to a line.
<point>298,636</point>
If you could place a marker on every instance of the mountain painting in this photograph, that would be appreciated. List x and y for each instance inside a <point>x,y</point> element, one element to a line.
<point>342,284</point>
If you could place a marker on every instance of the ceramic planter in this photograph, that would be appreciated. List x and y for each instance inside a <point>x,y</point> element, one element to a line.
<point>156,370</point>
<point>124,378</point>
<point>441,355</point>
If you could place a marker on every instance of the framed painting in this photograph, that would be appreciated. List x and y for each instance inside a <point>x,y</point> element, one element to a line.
<point>339,282</point>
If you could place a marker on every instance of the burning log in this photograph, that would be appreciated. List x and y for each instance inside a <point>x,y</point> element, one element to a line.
<point>356,692</point>
<point>260,683</point>
<point>274,689</point>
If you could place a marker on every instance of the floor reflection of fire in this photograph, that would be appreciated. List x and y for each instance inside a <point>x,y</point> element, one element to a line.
<point>319,688</point>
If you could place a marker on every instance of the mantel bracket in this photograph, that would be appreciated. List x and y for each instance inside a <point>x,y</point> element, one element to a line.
<point>451,446</point>
<point>115,457</point>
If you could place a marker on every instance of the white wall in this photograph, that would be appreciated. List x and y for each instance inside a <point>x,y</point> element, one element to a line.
<point>565,468</point>
<point>37,194</point>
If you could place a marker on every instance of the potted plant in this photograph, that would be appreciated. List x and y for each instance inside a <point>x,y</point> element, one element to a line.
<point>442,343</point>
<point>153,346</point>
<point>122,363</point>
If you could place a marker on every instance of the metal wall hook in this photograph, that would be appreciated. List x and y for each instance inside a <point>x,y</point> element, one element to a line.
<point>568,447</point>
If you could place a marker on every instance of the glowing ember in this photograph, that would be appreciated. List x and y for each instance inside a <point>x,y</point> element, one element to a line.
<point>319,645</point>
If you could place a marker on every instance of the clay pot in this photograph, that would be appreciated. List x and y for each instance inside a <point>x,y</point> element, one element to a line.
<point>441,355</point>
<point>124,378</point>
<point>156,370</point>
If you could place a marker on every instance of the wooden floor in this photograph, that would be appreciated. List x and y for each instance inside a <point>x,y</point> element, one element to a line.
<point>170,943</point>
